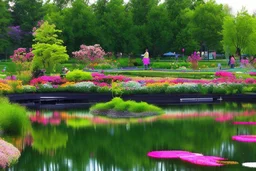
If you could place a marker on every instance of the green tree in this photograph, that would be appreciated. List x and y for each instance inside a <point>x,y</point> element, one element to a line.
<point>158,29</point>
<point>4,22</point>
<point>48,48</point>
<point>206,25</point>
<point>239,33</point>
<point>140,10</point>
<point>26,13</point>
<point>116,29</point>
<point>79,25</point>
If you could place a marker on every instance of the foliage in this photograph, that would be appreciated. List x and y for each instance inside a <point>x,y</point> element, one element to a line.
<point>13,118</point>
<point>78,75</point>
<point>90,55</point>
<point>26,13</point>
<point>194,58</point>
<point>4,22</point>
<point>22,59</point>
<point>206,24</point>
<point>48,49</point>
<point>239,33</point>
<point>119,105</point>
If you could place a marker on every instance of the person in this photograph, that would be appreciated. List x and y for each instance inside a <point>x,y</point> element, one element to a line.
<point>229,60</point>
<point>146,60</point>
<point>64,71</point>
<point>232,62</point>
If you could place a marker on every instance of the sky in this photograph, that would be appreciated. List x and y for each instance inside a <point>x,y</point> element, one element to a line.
<point>237,5</point>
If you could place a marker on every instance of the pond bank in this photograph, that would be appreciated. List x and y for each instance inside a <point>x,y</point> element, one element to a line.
<point>75,100</point>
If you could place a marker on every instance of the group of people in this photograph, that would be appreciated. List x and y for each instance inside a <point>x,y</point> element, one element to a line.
<point>244,62</point>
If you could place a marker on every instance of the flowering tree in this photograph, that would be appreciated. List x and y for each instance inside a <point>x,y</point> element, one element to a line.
<point>22,58</point>
<point>90,55</point>
<point>194,58</point>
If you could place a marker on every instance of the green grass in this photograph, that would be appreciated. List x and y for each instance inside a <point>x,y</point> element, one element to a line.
<point>194,75</point>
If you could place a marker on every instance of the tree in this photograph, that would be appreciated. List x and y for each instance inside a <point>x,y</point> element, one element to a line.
<point>26,13</point>
<point>116,28</point>
<point>206,25</point>
<point>48,48</point>
<point>90,55</point>
<point>79,25</point>
<point>4,22</point>
<point>158,29</point>
<point>239,33</point>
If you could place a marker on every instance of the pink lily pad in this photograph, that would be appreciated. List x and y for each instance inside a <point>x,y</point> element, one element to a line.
<point>169,154</point>
<point>203,160</point>
<point>245,138</point>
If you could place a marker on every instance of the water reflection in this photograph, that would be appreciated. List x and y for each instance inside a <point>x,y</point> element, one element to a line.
<point>75,140</point>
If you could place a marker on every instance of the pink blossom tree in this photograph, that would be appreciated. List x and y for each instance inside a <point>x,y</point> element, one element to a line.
<point>90,55</point>
<point>22,59</point>
<point>194,58</point>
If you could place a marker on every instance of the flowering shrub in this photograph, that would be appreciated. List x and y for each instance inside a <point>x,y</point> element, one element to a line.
<point>5,88</point>
<point>46,79</point>
<point>12,77</point>
<point>224,74</point>
<point>67,84</point>
<point>8,154</point>
<point>98,77</point>
<point>131,85</point>
<point>252,73</point>
<point>84,85</point>
<point>22,58</point>
<point>193,59</point>
<point>90,55</point>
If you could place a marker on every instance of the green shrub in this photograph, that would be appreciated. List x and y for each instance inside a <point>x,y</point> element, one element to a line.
<point>119,105</point>
<point>13,118</point>
<point>78,75</point>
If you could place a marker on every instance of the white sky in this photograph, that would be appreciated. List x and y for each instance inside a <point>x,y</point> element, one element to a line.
<point>237,5</point>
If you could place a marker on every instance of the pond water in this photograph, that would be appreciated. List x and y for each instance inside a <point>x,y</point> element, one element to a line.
<point>75,140</point>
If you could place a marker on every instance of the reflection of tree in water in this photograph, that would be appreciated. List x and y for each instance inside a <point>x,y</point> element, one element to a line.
<point>48,139</point>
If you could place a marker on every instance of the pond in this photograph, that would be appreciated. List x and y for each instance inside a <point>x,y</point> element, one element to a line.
<point>75,140</point>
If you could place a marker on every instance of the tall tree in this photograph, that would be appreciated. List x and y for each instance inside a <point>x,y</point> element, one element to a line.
<point>206,25</point>
<point>140,10</point>
<point>4,22</point>
<point>79,25</point>
<point>239,33</point>
<point>158,30</point>
<point>26,13</point>
<point>116,28</point>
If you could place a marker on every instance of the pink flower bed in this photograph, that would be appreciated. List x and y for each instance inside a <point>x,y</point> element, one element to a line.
<point>252,73</point>
<point>8,154</point>
<point>47,79</point>
<point>224,74</point>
